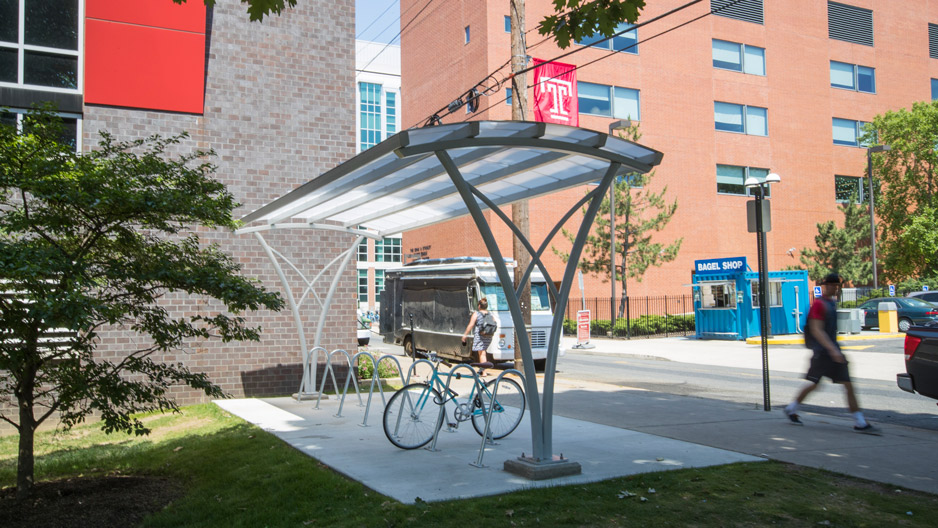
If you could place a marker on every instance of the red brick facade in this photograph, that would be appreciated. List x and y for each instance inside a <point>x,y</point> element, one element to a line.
<point>678,87</point>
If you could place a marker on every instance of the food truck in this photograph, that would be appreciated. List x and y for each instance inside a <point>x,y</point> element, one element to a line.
<point>426,305</point>
<point>726,300</point>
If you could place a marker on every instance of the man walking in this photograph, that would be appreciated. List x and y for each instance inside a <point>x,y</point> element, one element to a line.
<point>827,361</point>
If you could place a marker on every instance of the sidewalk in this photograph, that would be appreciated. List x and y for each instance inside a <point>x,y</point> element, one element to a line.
<point>611,431</point>
<point>863,364</point>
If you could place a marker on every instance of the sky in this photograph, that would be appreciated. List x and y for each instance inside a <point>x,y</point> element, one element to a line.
<point>383,28</point>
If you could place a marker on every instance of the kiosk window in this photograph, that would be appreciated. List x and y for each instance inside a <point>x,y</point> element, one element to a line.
<point>773,292</point>
<point>718,295</point>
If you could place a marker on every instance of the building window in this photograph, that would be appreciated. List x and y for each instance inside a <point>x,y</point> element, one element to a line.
<point>388,250</point>
<point>71,125</point>
<point>731,179</point>
<point>934,89</point>
<point>717,295</point>
<point>508,96</point>
<point>848,132</point>
<point>390,114</point>
<point>379,282</point>
<point>610,101</point>
<point>626,42</point>
<point>507,24</point>
<point>369,114</point>
<point>853,77</point>
<point>849,23</point>
<point>42,36</point>
<point>773,293</point>
<point>850,189</point>
<point>933,41</point>
<point>738,57</point>
<point>362,255</point>
<point>363,286</point>
<point>752,120</point>
<point>467,34</point>
<point>745,10</point>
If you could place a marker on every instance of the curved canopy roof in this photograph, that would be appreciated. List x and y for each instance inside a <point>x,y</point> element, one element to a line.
<point>401,184</point>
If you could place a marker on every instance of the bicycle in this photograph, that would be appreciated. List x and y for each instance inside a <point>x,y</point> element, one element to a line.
<point>416,412</point>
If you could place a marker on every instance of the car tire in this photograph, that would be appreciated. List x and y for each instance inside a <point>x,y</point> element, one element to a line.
<point>363,341</point>
<point>904,324</point>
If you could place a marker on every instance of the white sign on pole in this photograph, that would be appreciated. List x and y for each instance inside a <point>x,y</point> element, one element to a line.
<point>817,291</point>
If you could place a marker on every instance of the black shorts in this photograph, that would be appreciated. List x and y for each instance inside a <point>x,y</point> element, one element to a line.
<point>823,366</point>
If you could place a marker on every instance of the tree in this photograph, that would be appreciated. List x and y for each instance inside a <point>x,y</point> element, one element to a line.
<point>640,213</point>
<point>578,19</point>
<point>94,240</point>
<point>845,250</point>
<point>257,9</point>
<point>907,204</point>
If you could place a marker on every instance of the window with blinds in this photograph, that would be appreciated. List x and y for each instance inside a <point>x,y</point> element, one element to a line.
<point>745,10</point>
<point>933,41</point>
<point>850,23</point>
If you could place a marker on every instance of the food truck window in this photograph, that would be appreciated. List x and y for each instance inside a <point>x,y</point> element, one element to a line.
<point>773,292</point>
<point>496,296</point>
<point>717,295</point>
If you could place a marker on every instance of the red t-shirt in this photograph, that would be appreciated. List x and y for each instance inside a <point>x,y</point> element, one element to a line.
<point>817,311</point>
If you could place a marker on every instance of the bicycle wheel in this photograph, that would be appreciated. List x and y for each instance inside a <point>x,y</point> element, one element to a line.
<point>507,411</point>
<point>412,415</point>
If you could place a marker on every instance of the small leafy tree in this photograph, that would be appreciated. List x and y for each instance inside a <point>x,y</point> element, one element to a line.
<point>640,213</point>
<point>92,241</point>
<point>907,204</point>
<point>845,250</point>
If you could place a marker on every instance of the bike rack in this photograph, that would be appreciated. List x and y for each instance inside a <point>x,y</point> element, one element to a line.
<point>442,415</point>
<point>351,360</point>
<point>375,379</point>
<point>488,415</point>
<point>330,371</point>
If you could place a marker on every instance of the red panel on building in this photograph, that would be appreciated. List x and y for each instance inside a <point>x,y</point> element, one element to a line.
<point>144,67</point>
<point>157,13</point>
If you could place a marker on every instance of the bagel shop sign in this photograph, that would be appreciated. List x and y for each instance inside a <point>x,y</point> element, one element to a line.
<point>722,266</point>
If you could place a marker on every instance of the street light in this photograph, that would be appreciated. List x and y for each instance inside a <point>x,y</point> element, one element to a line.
<point>869,176</point>
<point>761,209</point>
<point>615,125</point>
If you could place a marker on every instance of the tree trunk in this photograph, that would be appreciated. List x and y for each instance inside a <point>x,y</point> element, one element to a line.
<point>25,464</point>
<point>519,211</point>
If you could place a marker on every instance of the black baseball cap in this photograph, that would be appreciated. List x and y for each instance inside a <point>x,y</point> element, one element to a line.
<point>832,278</point>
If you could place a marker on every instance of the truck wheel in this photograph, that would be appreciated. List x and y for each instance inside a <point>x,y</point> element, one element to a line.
<point>540,365</point>
<point>409,347</point>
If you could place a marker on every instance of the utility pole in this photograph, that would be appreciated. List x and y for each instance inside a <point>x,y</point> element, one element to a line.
<point>519,210</point>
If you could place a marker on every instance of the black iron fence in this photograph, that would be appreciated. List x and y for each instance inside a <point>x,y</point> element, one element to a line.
<point>663,316</point>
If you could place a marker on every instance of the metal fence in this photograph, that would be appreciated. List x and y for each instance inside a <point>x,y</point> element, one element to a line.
<point>667,315</point>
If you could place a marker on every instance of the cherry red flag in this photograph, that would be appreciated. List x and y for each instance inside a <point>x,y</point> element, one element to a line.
<point>555,99</point>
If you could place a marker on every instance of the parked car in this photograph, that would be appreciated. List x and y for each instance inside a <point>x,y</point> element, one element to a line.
<point>930,296</point>
<point>909,310</point>
<point>921,361</point>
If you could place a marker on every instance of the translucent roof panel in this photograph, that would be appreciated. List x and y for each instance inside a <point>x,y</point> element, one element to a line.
<point>401,183</point>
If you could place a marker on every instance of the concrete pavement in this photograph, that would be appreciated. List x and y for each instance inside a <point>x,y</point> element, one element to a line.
<point>611,431</point>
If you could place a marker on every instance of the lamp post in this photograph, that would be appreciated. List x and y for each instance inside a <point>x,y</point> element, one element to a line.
<point>869,176</point>
<point>615,125</point>
<point>762,224</point>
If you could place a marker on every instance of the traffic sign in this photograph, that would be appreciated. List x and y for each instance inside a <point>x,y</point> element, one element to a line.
<point>892,290</point>
<point>817,291</point>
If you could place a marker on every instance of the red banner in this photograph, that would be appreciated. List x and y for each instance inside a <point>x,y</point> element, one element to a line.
<point>555,99</point>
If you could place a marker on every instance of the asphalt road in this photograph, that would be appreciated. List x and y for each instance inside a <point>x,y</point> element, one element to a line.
<point>882,401</point>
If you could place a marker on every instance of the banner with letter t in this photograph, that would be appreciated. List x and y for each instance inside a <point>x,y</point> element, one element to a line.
<point>555,98</point>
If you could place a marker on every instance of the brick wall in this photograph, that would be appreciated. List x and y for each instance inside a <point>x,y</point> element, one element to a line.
<point>279,111</point>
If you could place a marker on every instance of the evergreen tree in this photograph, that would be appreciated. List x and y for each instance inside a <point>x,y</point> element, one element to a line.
<point>845,250</point>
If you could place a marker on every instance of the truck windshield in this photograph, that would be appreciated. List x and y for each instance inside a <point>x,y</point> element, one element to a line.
<point>540,301</point>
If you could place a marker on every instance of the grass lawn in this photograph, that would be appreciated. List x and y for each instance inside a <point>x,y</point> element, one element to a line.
<point>234,474</point>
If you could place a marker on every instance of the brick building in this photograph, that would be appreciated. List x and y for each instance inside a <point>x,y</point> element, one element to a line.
<point>275,100</point>
<point>759,87</point>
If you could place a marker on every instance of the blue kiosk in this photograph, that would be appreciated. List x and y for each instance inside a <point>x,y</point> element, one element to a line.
<point>726,299</point>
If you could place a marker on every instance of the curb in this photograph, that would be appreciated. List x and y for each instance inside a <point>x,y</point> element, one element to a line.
<point>798,339</point>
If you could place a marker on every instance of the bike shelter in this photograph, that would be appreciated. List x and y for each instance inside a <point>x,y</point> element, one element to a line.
<point>425,176</point>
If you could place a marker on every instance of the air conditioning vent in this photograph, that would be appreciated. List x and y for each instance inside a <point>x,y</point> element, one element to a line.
<point>745,10</point>
<point>850,23</point>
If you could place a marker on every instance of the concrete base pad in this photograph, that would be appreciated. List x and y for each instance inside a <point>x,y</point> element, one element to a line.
<point>532,469</point>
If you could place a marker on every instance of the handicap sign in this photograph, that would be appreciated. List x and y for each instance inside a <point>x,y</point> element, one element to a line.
<point>817,291</point>
<point>924,287</point>
<point>892,290</point>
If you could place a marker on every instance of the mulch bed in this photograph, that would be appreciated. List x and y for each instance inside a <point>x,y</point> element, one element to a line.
<point>88,501</point>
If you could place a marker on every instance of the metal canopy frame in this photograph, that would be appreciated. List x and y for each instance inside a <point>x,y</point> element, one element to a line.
<point>425,176</point>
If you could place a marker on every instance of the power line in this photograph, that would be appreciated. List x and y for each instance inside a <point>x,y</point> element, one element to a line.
<point>398,33</point>
<point>379,18</point>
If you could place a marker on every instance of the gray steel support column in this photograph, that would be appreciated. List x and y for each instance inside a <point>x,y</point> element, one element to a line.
<point>514,306</point>
<point>561,309</point>
<point>291,302</point>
